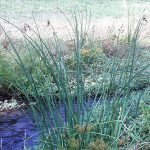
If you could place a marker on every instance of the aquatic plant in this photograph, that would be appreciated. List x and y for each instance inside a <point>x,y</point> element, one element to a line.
<point>104,125</point>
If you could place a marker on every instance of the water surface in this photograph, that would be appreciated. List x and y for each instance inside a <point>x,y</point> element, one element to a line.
<point>15,127</point>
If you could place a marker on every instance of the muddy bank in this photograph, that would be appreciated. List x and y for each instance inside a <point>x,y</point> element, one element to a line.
<point>11,104</point>
<point>9,101</point>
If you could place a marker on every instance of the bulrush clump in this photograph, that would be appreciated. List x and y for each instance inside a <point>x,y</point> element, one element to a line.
<point>26,28</point>
<point>121,141</point>
<point>98,145</point>
<point>48,23</point>
<point>70,44</point>
<point>5,43</point>
<point>83,129</point>
<point>73,143</point>
<point>109,47</point>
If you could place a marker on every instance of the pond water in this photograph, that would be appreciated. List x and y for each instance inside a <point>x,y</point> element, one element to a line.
<point>16,126</point>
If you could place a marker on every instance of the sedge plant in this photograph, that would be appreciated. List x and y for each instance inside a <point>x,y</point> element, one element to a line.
<point>55,89</point>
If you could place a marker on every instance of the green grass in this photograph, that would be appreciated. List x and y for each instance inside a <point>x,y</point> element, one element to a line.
<point>44,9</point>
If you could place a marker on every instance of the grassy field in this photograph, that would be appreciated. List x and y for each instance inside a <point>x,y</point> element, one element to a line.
<point>44,9</point>
<point>23,12</point>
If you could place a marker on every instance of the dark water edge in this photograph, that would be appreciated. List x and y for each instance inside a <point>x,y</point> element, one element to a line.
<point>17,125</point>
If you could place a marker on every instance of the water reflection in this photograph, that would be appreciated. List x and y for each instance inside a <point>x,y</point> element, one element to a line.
<point>14,128</point>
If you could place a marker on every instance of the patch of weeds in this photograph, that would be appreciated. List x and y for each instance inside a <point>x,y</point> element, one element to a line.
<point>6,70</point>
<point>88,57</point>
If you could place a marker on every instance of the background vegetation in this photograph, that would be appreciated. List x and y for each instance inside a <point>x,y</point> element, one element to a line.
<point>102,85</point>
